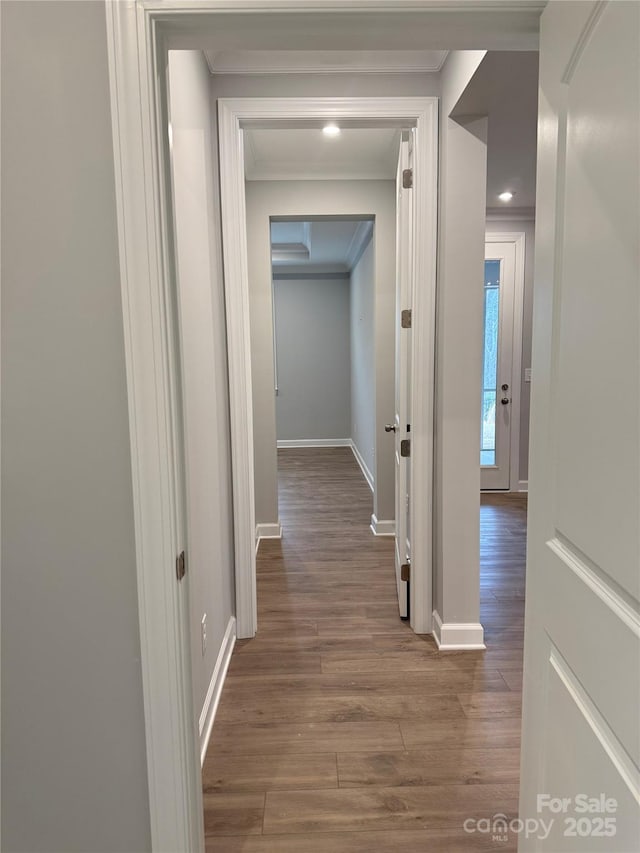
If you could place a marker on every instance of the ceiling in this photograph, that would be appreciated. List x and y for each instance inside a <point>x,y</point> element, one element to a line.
<point>318,245</point>
<point>356,154</point>
<point>504,88</point>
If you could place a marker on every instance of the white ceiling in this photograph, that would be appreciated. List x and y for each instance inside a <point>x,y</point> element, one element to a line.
<point>288,155</point>
<point>321,245</point>
<point>505,88</point>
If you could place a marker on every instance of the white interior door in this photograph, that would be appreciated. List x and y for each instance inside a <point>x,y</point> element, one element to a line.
<point>497,381</point>
<point>581,729</point>
<point>402,418</point>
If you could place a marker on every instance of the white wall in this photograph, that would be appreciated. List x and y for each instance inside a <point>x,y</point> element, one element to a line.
<point>313,357</point>
<point>204,367</point>
<point>363,377</point>
<point>528,227</point>
<point>74,775</point>
<point>459,351</point>
<point>318,198</point>
<point>323,85</point>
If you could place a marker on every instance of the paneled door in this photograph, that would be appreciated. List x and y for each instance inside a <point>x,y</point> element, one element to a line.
<point>496,418</point>
<point>581,724</point>
<point>402,419</point>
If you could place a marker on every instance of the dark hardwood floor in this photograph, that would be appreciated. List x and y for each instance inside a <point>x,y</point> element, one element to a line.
<point>341,730</point>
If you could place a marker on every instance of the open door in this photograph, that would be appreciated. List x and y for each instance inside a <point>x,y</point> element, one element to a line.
<point>581,734</point>
<point>401,426</point>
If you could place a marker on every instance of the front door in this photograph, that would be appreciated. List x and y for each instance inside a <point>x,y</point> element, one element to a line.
<point>581,730</point>
<point>497,379</point>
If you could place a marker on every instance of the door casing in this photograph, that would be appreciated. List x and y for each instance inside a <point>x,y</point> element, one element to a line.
<point>233,115</point>
<point>518,239</point>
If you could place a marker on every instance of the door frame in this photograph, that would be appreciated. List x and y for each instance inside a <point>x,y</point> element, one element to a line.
<point>138,32</point>
<point>518,238</point>
<point>421,113</point>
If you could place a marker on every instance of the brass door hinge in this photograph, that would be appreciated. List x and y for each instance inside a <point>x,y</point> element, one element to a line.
<point>405,572</point>
<point>405,318</point>
<point>405,447</point>
<point>181,566</point>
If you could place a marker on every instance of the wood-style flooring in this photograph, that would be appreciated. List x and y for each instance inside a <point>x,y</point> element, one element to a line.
<point>341,730</point>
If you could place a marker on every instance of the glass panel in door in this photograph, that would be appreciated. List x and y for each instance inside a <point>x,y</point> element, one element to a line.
<point>492,270</point>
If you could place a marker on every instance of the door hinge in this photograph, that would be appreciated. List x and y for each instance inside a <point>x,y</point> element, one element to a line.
<point>181,566</point>
<point>405,572</point>
<point>405,318</point>
<point>405,447</point>
<point>407,179</point>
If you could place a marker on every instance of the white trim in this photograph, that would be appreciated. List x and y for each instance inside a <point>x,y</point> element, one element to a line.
<point>269,530</point>
<point>382,527</point>
<point>518,238</point>
<point>283,443</point>
<point>457,636</point>
<point>423,370</point>
<point>363,466</point>
<point>146,273</point>
<point>239,353</point>
<point>609,740</point>
<point>592,576</point>
<point>422,113</point>
<point>523,485</point>
<point>359,242</point>
<point>212,699</point>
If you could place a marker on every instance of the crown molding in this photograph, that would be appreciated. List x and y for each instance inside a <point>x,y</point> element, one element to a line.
<point>359,242</point>
<point>288,253</point>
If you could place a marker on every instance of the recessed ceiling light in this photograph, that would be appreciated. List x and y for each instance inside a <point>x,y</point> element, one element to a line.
<point>507,195</point>
<point>331,130</point>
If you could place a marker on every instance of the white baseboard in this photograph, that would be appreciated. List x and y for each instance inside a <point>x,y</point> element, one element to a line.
<point>313,442</point>
<point>212,699</point>
<point>523,485</point>
<point>269,530</point>
<point>380,527</point>
<point>457,636</point>
<point>363,466</point>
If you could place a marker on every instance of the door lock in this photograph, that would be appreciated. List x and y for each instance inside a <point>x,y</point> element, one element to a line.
<point>390,427</point>
<point>505,401</point>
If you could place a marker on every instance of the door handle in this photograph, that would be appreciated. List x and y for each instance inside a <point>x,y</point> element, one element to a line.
<point>390,427</point>
<point>505,401</point>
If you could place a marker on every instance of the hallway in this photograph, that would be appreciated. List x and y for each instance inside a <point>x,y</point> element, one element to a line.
<point>339,729</point>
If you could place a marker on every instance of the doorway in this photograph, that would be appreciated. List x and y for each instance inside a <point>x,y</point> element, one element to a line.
<point>235,117</point>
<point>323,282</point>
<point>501,361</point>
